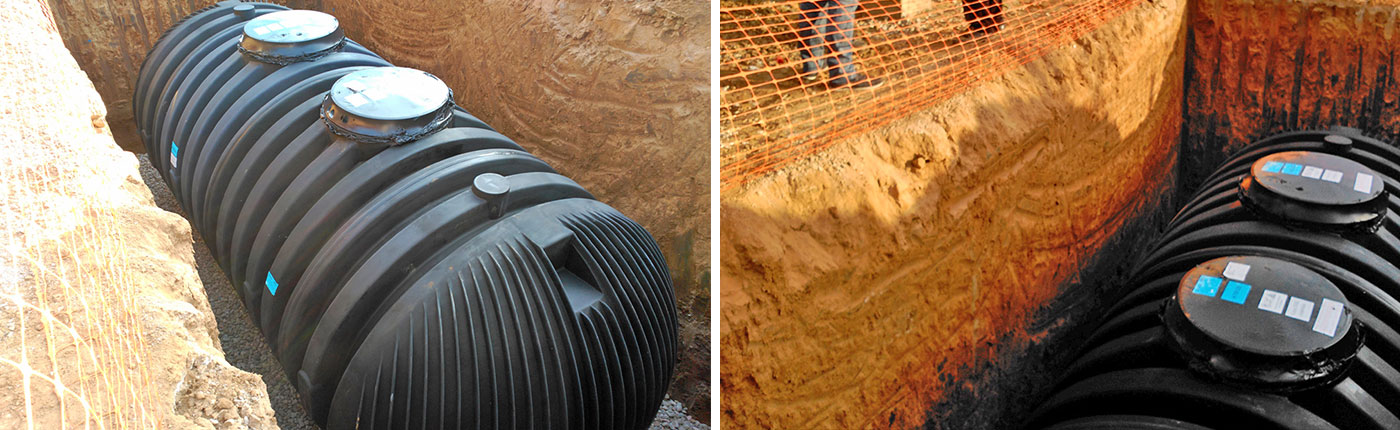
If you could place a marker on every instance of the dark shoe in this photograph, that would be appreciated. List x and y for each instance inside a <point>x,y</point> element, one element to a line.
<point>856,81</point>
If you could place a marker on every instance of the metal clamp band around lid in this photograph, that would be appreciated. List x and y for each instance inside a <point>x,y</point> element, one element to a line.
<point>387,105</point>
<point>291,36</point>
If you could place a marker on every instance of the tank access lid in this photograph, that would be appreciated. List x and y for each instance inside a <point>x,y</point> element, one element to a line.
<point>1315,189</point>
<point>1262,322</point>
<point>291,36</point>
<point>392,105</point>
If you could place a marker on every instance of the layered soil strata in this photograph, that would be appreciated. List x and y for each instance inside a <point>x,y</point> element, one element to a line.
<point>866,285</point>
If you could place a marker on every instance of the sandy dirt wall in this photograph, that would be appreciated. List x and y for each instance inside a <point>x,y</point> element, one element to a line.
<point>109,40</point>
<point>614,94</point>
<point>103,323</point>
<point>1258,67</point>
<point>863,286</point>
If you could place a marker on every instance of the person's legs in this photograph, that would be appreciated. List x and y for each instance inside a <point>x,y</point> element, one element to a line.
<point>811,31</point>
<point>840,31</point>
<point>826,29</point>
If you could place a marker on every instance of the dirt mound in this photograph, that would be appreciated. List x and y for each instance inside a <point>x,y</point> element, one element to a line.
<point>104,320</point>
<point>861,285</point>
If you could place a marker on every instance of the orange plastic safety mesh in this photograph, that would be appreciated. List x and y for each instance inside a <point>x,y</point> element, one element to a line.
<point>74,328</point>
<point>772,112</point>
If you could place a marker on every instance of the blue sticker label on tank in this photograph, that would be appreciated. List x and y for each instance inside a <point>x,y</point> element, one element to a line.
<point>1236,292</point>
<point>1292,169</point>
<point>271,284</point>
<point>1273,167</point>
<point>1207,286</point>
<point>174,153</point>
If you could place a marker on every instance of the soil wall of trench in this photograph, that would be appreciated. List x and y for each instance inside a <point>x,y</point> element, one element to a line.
<point>103,322</point>
<point>613,94</point>
<point>933,272</point>
<point>1265,66</point>
<point>951,260</point>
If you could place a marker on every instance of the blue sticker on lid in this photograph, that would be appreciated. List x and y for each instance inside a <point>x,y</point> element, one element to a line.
<point>1236,292</point>
<point>1273,167</point>
<point>271,284</point>
<point>1292,169</point>
<point>1207,286</point>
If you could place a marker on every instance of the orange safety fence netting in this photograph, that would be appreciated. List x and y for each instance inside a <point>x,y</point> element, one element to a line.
<point>921,52</point>
<point>74,353</point>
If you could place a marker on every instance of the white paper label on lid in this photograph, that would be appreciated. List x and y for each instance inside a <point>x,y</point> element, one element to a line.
<point>1312,172</point>
<point>356,100</point>
<point>1299,309</point>
<point>1363,183</point>
<point>375,94</point>
<point>274,26</point>
<point>1273,301</point>
<point>261,30</point>
<point>1236,271</point>
<point>1332,176</point>
<point>1328,315</point>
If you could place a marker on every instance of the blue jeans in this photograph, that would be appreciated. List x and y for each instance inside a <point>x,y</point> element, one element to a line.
<point>826,30</point>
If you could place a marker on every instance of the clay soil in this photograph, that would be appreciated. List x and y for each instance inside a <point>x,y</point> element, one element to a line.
<point>1263,67</point>
<point>867,283</point>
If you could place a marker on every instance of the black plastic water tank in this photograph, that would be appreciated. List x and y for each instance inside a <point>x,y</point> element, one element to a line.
<point>409,266</point>
<point>1269,302</point>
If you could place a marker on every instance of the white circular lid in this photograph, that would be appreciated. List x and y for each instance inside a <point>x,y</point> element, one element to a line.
<point>390,93</point>
<point>291,26</point>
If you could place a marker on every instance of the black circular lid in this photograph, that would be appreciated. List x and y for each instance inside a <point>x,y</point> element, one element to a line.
<point>1263,322</point>
<point>291,36</point>
<point>387,105</point>
<point>1317,189</point>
